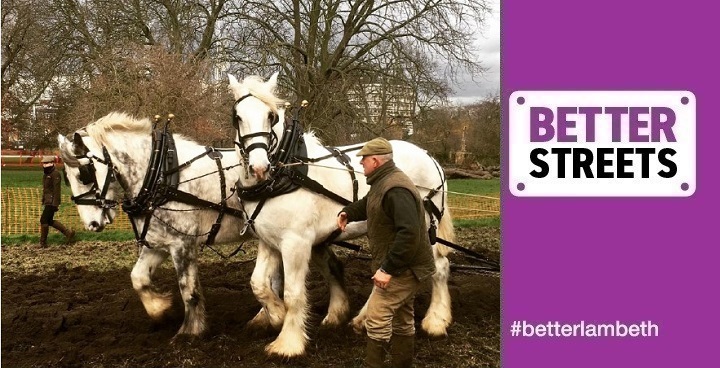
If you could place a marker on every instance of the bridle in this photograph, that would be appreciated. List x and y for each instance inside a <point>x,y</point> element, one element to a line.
<point>96,196</point>
<point>270,135</point>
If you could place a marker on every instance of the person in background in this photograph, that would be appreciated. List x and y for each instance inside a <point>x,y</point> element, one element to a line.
<point>401,254</point>
<point>51,201</point>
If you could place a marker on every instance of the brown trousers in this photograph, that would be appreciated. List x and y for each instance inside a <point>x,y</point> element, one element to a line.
<point>390,310</point>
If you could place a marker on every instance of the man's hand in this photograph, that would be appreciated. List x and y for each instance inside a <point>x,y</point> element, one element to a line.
<point>381,279</point>
<point>342,220</point>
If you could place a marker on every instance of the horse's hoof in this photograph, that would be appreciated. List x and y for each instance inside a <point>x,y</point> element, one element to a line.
<point>258,324</point>
<point>282,350</point>
<point>336,316</point>
<point>435,327</point>
<point>157,305</point>
<point>358,325</point>
<point>330,322</point>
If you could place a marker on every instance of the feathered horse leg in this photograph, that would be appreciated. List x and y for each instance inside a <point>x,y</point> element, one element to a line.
<point>266,286</point>
<point>184,258</point>
<point>156,304</point>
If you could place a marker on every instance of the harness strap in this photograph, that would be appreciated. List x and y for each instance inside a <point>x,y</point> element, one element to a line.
<point>345,160</point>
<point>139,205</point>
<point>110,172</point>
<point>187,198</point>
<point>140,237</point>
<point>331,240</point>
<point>188,162</point>
<point>250,221</point>
<point>439,187</point>
<point>170,162</point>
<point>313,160</point>
<point>151,178</point>
<point>430,206</point>
<point>223,202</point>
<point>432,209</point>
<point>494,265</point>
<point>309,183</point>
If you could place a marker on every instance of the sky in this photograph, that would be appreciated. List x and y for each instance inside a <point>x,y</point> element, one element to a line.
<point>488,43</point>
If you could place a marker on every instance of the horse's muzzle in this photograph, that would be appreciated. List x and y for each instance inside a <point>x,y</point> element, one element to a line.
<point>260,172</point>
<point>95,226</point>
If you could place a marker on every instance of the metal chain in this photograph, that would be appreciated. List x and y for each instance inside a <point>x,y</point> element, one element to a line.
<point>232,192</point>
<point>178,231</point>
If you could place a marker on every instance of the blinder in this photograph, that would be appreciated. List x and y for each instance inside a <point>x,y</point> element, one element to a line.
<point>87,173</point>
<point>87,177</point>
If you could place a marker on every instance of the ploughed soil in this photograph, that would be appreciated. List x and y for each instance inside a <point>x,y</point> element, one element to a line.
<point>70,306</point>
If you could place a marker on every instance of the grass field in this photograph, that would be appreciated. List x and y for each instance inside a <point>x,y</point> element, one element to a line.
<point>489,187</point>
<point>23,178</point>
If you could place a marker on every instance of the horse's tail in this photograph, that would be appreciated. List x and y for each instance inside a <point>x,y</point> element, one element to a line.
<point>446,230</point>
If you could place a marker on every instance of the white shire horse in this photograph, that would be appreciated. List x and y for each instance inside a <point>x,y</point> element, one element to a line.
<point>289,225</point>
<point>128,144</point>
<point>175,228</point>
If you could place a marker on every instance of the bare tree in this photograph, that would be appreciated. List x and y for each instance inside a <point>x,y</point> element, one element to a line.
<point>326,47</point>
<point>84,51</point>
<point>32,54</point>
<point>147,81</point>
<point>483,133</point>
<point>187,28</point>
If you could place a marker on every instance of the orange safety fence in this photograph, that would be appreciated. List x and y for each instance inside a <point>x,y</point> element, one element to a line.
<point>21,210</point>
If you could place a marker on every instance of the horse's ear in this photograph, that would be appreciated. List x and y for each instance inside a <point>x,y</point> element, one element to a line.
<point>61,141</point>
<point>273,80</point>
<point>79,146</point>
<point>233,81</point>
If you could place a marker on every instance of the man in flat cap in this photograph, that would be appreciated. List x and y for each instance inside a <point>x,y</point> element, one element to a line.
<point>401,254</point>
<point>51,201</point>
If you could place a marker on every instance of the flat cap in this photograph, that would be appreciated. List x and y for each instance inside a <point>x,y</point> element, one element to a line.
<point>377,146</point>
<point>48,159</point>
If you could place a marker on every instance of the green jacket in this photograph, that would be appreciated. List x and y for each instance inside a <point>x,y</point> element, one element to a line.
<point>51,189</point>
<point>397,231</point>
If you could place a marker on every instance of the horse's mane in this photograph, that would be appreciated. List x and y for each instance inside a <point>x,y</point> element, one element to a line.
<point>311,139</point>
<point>256,86</point>
<point>114,122</point>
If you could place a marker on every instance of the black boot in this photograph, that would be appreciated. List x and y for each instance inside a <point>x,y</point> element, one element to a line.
<point>375,353</point>
<point>69,233</point>
<point>44,229</point>
<point>402,351</point>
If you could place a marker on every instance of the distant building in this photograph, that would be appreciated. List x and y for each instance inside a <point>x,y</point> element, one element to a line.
<point>388,105</point>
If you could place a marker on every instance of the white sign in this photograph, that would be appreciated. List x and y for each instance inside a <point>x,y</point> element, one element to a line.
<point>602,143</point>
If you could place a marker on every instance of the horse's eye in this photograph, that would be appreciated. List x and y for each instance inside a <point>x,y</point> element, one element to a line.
<point>271,116</point>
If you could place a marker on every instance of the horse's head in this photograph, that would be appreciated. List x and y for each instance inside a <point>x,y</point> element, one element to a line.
<point>254,115</point>
<point>92,181</point>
